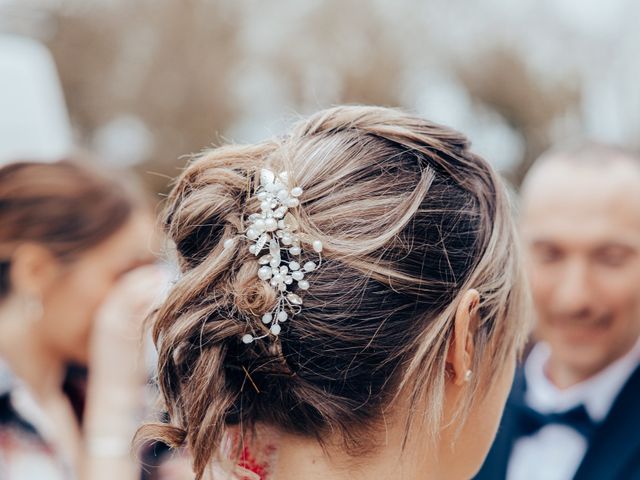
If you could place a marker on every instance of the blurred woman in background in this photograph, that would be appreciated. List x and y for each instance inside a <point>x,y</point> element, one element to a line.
<point>71,292</point>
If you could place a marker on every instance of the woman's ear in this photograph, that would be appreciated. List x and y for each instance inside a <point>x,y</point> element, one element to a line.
<point>33,269</point>
<point>461,344</point>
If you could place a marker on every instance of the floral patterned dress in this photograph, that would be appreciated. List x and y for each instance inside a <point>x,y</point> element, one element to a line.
<point>256,459</point>
<point>258,462</point>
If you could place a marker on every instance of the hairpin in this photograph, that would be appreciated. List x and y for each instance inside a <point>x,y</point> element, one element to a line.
<point>275,229</point>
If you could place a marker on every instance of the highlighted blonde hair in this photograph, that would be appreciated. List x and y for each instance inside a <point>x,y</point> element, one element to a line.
<point>410,219</point>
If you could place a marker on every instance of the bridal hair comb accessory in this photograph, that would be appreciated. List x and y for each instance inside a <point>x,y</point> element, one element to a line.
<point>275,229</point>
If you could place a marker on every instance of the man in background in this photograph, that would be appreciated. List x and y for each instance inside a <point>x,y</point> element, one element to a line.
<point>574,411</point>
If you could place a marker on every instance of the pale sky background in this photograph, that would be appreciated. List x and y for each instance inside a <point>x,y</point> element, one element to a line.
<point>591,43</point>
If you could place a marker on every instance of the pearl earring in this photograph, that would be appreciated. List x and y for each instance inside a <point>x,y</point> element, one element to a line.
<point>467,375</point>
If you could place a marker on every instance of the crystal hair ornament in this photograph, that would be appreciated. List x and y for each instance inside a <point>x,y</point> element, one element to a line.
<point>275,230</point>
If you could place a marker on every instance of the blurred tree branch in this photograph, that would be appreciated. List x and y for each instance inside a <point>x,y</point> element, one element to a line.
<point>501,80</point>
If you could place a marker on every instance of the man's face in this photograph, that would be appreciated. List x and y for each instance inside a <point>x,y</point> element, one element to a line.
<point>581,229</point>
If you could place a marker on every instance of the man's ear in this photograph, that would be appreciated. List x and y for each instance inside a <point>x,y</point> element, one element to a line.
<point>33,269</point>
<point>461,344</point>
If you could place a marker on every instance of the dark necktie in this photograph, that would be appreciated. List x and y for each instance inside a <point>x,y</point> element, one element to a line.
<point>530,420</point>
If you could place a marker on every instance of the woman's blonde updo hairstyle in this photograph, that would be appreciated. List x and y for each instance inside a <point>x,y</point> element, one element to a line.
<point>409,219</point>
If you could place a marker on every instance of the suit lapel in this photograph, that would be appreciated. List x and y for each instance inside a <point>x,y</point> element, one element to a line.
<point>616,442</point>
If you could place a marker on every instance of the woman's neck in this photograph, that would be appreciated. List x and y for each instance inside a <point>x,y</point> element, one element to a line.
<point>21,346</point>
<point>305,458</point>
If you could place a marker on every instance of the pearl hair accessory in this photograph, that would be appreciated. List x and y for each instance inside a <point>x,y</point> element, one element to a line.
<point>276,229</point>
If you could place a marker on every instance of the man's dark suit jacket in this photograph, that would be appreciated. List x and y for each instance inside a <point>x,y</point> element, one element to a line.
<point>614,449</point>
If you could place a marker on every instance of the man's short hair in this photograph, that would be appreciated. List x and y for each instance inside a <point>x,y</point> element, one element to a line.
<point>591,153</point>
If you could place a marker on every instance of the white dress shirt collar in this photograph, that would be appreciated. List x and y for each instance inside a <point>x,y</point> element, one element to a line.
<point>596,393</point>
<point>24,402</point>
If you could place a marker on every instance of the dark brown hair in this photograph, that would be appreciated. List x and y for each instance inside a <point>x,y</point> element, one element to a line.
<point>409,218</point>
<point>66,206</point>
